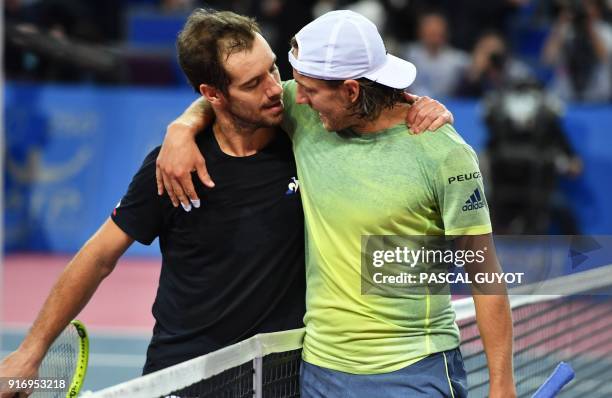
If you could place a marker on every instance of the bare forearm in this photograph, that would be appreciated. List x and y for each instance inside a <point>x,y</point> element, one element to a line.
<point>197,116</point>
<point>179,156</point>
<point>492,315</point>
<point>74,288</point>
<point>68,296</point>
<point>495,325</point>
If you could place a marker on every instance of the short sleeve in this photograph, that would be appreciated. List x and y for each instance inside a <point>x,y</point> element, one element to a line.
<point>139,213</point>
<point>460,194</point>
<point>289,117</point>
<point>298,119</point>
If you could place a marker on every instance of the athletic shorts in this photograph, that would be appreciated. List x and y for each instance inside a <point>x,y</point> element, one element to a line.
<point>437,375</point>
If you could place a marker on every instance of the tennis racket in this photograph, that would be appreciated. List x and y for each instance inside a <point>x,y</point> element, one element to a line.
<point>66,361</point>
<point>562,375</point>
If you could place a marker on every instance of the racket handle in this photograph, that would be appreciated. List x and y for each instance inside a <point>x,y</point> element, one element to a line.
<point>562,375</point>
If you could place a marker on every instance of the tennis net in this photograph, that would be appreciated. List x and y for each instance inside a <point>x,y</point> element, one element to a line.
<point>574,327</point>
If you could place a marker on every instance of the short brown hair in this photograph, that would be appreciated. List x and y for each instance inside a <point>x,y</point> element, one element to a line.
<point>373,97</point>
<point>207,38</point>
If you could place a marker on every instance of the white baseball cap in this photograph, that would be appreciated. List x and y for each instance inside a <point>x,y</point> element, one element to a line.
<point>342,45</point>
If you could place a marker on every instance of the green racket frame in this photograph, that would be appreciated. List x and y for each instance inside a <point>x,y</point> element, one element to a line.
<point>82,360</point>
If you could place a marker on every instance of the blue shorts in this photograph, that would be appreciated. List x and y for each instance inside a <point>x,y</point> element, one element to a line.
<point>438,375</point>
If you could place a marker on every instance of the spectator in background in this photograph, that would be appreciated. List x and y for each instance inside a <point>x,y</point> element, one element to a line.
<point>470,18</point>
<point>579,47</point>
<point>492,68</point>
<point>527,151</point>
<point>278,19</point>
<point>53,23</point>
<point>440,66</point>
<point>171,6</point>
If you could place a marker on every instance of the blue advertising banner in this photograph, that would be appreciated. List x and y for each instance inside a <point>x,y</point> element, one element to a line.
<point>72,151</point>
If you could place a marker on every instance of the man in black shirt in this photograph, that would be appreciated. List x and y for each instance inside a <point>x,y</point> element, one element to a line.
<point>233,266</point>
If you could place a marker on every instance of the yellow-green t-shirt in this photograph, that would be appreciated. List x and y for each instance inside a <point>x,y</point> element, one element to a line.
<point>385,183</point>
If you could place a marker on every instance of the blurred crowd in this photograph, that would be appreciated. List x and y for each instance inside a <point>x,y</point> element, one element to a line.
<point>462,48</point>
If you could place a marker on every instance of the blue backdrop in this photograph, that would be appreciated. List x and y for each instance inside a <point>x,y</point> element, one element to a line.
<point>71,152</point>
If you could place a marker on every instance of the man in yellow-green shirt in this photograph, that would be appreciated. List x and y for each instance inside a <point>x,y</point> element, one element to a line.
<point>362,174</point>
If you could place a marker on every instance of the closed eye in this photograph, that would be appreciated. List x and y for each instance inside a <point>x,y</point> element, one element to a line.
<point>252,84</point>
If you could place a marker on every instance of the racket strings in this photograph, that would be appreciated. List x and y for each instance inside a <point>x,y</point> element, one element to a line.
<point>61,359</point>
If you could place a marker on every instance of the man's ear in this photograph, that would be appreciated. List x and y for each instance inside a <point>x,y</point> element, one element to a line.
<point>351,88</point>
<point>212,94</point>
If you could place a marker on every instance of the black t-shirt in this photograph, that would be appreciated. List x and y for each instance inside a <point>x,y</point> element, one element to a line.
<point>230,269</point>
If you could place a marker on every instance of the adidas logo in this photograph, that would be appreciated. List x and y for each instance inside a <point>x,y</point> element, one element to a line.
<point>475,202</point>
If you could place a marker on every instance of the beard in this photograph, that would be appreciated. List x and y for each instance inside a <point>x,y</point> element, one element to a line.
<point>335,123</point>
<point>245,116</point>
